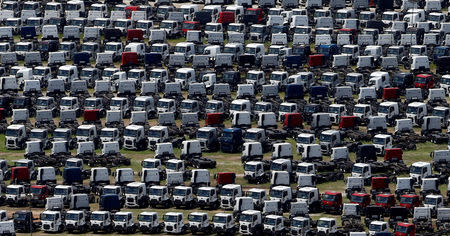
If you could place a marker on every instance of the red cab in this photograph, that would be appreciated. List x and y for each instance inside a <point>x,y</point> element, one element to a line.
<point>332,201</point>
<point>385,200</point>
<point>393,154</point>
<point>191,25</point>
<point>129,59</point>
<point>258,12</point>
<point>129,10</point>
<point>362,199</point>
<point>391,94</point>
<point>316,60</point>
<point>409,201</point>
<point>214,119</point>
<point>135,35</point>
<point>223,178</point>
<point>20,174</point>
<point>293,120</point>
<point>405,229</point>
<point>347,122</point>
<point>226,17</point>
<point>424,81</point>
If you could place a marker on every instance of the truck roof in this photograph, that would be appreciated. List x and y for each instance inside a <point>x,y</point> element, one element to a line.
<point>15,126</point>
<point>134,127</point>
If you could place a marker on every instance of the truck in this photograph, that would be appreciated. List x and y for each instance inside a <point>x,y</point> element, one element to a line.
<point>198,222</point>
<point>250,222</point>
<point>101,221</point>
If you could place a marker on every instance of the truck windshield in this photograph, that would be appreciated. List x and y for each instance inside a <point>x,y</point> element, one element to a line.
<point>327,78</point>
<point>401,229</point>
<point>250,50</point>
<point>328,197</point>
<point>233,28</point>
<point>260,107</point>
<point>165,25</point>
<point>186,105</point>
<point>122,24</point>
<point>382,199</point>
<point>252,76</point>
<point>325,138</point>
<point>59,134</point>
<point>387,17</point>
<point>298,223</point>
<point>66,102</point>
<point>226,192</point>
<point>302,195</point>
<point>210,28</point>
<point>155,192</point>
<point>323,224</point>
<point>347,50</point>
<point>364,16</point>
<point>421,80</point>
<point>170,218</point>
<point>141,25</point>
<point>36,191</point>
<point>82,132</point>
<point>202,134</point>
<point>435,18</point>
<point>12,132</point>
<point>251,135</point>
<point>120,218</point>
<point>12,191</point>
<point>358,109</point>
<point>416,170</point>
<point>108,134</point>
<point>22,47</point>
<point>130,133</point>
<point>203,193</point>
<point>235,107</point>
<point>334,109</point>
<point>357,169</point>
<point>179,192</point>
<point>276,77</point>
<point>211,106</point>
<point>107,191</point>
<point>380,141</point>
<point>98,217</point>
<point>47,217</point>
<point>285,108</point>
<point>171,166</point>
<point>72,216</point>
<point>12,23</point>
<point>131,190</point>
<point>254,195</point>
<point>139,103</point>
<point>440,113</point>
<point>406,200</point>
<point>351,79</point>
<point>412,110</point>
<point>18,216</point>
<point>195,218</point>
<point>276,193</point>
<point>276,166</point>
<point>37,135</point>
<point>100,23</point>
<point>431,201</point>
<point>163,104</point>
<point>39,72</point>
<point>61,191</point>
<point>393,51</point>
<point>246,218</point>
<point>373,227</point>
<point>415,51</point>
<point>270,221</point>
<point>250,168</point>
<point>90,103</point>
<point>145,218</point>
<point>357,198</point>
<point>220,219</point>
<point>154,133</point>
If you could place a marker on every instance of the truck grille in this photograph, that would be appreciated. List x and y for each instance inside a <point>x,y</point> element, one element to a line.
<point>10,141</point>
<point>169,228</point>
<point>244,227</point>
<point>225,201</point>
<point>129,142</point>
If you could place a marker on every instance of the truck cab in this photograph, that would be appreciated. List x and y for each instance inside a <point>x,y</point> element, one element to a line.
<point>228,195</point>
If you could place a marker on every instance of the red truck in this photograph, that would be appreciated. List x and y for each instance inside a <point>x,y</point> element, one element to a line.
<point>424,81</point>
<point>332,202</point>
